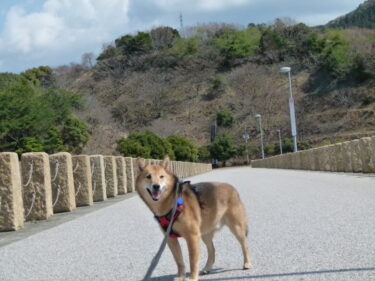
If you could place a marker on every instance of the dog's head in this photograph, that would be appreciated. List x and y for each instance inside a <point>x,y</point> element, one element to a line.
<point>154,182</point>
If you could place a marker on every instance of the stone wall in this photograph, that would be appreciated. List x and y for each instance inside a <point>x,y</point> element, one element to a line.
<point>43,184</point>
<point>356,156</point>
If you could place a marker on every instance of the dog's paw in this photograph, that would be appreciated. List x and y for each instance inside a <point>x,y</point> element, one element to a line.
<point>204,272</point>
<point>179,279</point>
<point>247,266</point>
<point>190,279</point>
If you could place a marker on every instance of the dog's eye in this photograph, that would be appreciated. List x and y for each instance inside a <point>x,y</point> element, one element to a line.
<point>161,177</point>
<point>148,176</point>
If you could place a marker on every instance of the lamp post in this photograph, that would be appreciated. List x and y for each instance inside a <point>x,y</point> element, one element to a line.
<point>246,137</point>
<point>259,117</point>
<point>291,107</point>
<point>280,143</point>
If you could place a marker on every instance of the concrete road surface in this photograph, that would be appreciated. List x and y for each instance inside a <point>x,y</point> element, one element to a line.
<point>303,226</point>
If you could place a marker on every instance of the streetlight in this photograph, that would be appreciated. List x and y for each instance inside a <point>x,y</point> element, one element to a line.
<point>286,69</point>
<point>280,143</point>
<point>246,137</point>
<point>261,132</point>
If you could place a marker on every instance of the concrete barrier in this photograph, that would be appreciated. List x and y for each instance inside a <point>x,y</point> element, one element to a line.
<point>350,156</point>
<point>130,175</point>
<point>356,156</point>
<point>63,194</point>
<point>98,178</point>
<point>82,180</point>
<point>121,175</point>
<point>110,172</point>
<point>37,190</point>
<point>347,157</point>
<point>340,165</point>
<point>367,155</point>
<point>11,203</point>
<point>61,182</point>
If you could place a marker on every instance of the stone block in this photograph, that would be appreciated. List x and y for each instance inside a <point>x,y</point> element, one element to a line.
<point>305,164</point>
<point>98,178</point>
<point>296,160</point>
<point>63,193</point>
<point>135,168</point>
<point>340,165</point>
<point>130,183</point>
<point>367,155</point>
<point>110,172</point>
<point>11,203</point>
<point>347,157</point>
<point>37,189</point>
<point>356,156</point>
<point>82,180</point>
<point>121,175</point>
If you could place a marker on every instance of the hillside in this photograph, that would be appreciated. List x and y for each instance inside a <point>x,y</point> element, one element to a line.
<point>363,16</point>
<point>161,82</point>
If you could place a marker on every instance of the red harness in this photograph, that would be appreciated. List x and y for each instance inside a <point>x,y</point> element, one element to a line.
<point>165,220</point>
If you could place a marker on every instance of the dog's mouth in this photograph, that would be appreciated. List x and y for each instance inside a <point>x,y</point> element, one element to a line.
<point>155,194</point>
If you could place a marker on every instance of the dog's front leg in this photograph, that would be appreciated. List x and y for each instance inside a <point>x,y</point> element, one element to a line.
<point>175,248</point>
<point>194,255</point>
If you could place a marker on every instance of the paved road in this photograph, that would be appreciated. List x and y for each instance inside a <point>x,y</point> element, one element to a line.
<point>303,226</point>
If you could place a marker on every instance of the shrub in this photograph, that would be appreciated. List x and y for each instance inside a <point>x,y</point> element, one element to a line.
<point>238,43</point>
<point>184,149</point>
<point>137,44</point>
<point>225,118</point>
<point>223,148</point>
<point>74,134</point>
<point>203,153</point>
<point>146,145</point>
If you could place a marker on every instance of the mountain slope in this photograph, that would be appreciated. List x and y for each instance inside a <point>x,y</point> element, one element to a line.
<point>363,16</point>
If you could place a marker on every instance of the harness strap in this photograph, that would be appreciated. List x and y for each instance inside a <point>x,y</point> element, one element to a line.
<point>165,220</point>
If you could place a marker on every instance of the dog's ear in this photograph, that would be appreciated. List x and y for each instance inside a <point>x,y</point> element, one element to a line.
<point>141,164</point>
<point>165,162</point>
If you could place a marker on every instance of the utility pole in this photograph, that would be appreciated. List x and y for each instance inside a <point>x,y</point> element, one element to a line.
<point>246,137</point>
<point>182,30</point>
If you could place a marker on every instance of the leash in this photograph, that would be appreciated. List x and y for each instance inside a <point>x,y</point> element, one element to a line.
<point>156,259</point>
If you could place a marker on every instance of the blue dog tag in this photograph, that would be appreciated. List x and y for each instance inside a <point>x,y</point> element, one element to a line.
<point>180,201</point>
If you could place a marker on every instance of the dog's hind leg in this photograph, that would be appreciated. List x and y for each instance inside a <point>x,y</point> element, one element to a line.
<point>175,248</point>
<point>207,239</point>
<point>236,220</point>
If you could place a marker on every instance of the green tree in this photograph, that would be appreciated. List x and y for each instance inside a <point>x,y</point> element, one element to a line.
<point>146,144</point>
<point>184,149</point>
<point>74,134</point>
<point>53,141</point>
<point>29,144</point>
<point>31,119</point>
<point>203,153</point>
<point>225,118</point>
<point>137,44</point>
<point>133,148</point>
<point>108,52</point>
<point>238,43</point>
<point>41,76</point>
<point>223,148</point>
<point>185,46</point>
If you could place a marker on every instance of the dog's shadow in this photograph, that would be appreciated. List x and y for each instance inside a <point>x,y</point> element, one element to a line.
<point>214,271</point>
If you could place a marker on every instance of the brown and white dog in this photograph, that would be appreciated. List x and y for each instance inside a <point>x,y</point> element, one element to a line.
<point>206,207</point>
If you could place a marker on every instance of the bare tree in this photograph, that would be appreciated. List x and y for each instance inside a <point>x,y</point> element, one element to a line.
<point>87,60</point>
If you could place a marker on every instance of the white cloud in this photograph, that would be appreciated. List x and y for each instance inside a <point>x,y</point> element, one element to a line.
<point>201,5</point>
<point>62,26</point>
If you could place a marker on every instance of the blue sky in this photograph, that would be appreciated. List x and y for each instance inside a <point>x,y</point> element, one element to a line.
<point>57,32</point>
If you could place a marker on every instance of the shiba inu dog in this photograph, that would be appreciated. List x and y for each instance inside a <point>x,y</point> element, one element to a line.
<point>202,209</point>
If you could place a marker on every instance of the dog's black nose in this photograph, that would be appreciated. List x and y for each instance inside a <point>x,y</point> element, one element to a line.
<point>156,187</point>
